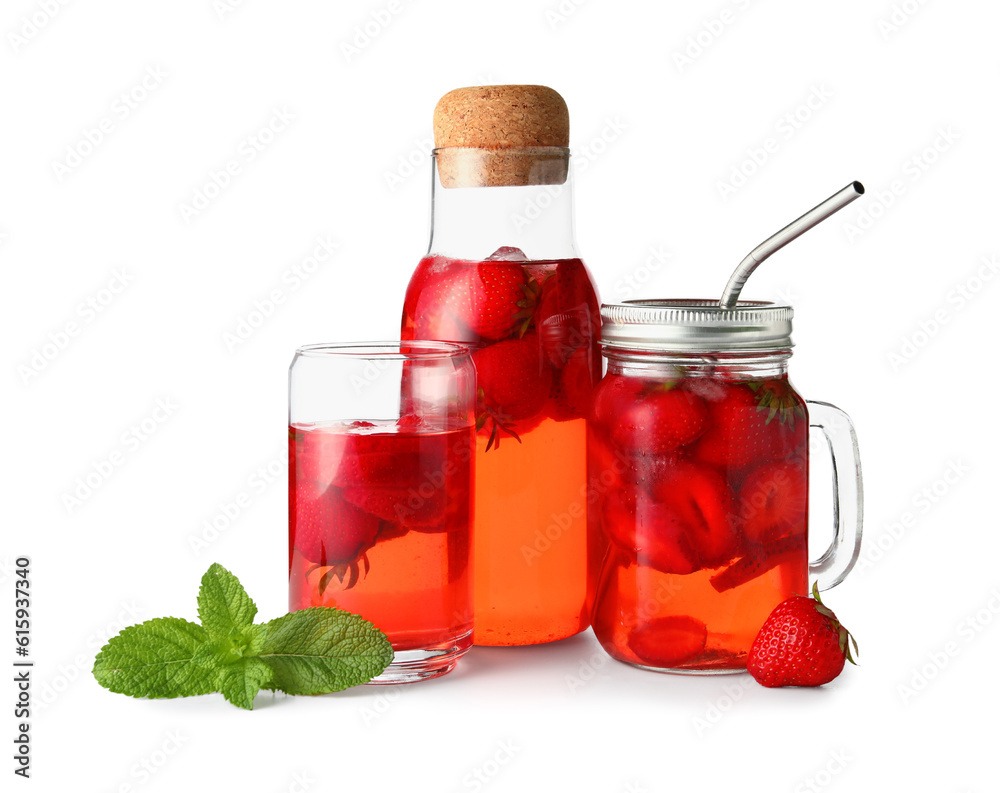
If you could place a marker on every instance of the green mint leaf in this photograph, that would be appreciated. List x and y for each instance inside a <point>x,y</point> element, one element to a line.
<point>223,604</point>
<point>155,659</point>
<point>320,650</point>
<point>239,673</point>
<point>240,682</point>
<point>315,651</point>
<point>239,644</point>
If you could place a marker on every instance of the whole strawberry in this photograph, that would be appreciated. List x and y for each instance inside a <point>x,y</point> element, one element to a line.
<point>514,376</point>
<point>491,299</point>
<point>648,417</point>
<point>802,643</point>
<point>749,422</point>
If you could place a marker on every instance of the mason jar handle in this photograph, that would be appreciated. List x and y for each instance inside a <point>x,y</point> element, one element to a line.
<point>836,561</point>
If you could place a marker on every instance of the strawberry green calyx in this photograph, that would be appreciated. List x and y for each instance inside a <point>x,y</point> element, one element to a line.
<point>496,427</point>
<point>845,639</point>
<point>350,570</point>
<point>527,306</point>
<point>778,399</point>
<point>660,387</point>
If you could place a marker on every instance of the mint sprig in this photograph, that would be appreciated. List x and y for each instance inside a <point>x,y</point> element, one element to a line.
<point>223,603</point>
<point>314,651</point>
<point>155,659</point>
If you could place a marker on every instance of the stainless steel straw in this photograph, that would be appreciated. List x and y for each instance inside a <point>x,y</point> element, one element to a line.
<point>814,216</point>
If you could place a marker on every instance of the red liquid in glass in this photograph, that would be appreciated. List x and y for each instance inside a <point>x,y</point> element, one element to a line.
<point>534,327</point>
<point>379,525</point>
<point>703,494</point>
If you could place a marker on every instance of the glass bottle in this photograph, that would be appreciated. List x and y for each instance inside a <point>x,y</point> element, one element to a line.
<point>502,275</point>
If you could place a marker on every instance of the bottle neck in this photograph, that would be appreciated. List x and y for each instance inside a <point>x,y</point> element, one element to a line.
<point>471,222</point>
<point>732,365</point>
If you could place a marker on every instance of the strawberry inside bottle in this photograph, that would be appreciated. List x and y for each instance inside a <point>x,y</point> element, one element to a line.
<point>502,276</point>
<point>699,462</point>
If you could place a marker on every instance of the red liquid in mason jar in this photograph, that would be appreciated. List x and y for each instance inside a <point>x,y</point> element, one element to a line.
<point>533,326</point>
<point>702,484</point>
<point>379,525</point>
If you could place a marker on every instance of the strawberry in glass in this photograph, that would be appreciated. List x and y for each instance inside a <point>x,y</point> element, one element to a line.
<point>366,500</point>
<point>380,509</point>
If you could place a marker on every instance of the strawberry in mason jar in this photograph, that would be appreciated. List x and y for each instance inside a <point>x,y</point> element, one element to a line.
<point>709,527</point>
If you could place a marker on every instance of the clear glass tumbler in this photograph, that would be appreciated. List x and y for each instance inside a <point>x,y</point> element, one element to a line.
<point>381,439</point>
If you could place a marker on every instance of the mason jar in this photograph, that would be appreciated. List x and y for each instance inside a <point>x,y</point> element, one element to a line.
<point>698,461</point>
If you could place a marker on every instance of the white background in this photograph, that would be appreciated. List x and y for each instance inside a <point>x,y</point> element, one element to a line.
<point>668,102</point>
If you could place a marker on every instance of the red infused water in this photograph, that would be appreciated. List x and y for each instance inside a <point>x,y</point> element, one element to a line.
<point>533,327</point>
<point>703,489</point>
<point>379,525</point>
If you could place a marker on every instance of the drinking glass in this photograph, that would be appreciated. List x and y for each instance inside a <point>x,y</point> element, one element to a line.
<point>381,438</point>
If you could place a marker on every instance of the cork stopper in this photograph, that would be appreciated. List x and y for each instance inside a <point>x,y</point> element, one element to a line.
<point>501,135</point>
